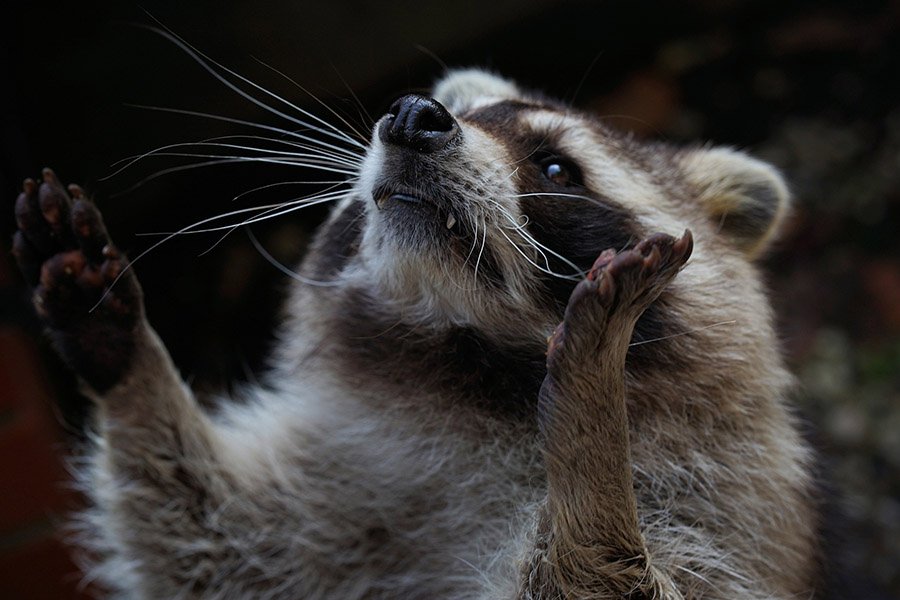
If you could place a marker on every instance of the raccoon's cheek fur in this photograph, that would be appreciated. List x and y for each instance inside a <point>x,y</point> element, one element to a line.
<point>745,197</point>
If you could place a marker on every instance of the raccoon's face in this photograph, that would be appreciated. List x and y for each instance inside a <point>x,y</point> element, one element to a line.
<point>483,203</point>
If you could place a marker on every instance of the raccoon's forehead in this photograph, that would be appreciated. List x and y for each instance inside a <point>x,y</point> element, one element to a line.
<point>540,124</point>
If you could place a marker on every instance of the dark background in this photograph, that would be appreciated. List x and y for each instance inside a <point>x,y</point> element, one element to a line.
<point>810,86</point>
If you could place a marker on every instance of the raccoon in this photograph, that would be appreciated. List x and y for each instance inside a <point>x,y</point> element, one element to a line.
<point>527,357</point>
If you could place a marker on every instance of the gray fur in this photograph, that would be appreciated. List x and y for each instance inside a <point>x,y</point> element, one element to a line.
<point>342,478</point>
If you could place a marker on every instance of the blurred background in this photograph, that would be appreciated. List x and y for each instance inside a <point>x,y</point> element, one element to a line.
<point>810,86</point>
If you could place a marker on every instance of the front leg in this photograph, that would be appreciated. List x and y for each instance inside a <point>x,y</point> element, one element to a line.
<point>589,541</point>
<point>159,473</point>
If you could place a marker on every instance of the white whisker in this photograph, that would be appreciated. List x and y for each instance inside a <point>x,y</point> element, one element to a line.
<point>474,222</point>
<point>266,214</point>
<point>537,266</point>
<point>209,163</point>
<point>675,335</point>
<point>260,188</point>
<point>316,98</point>
<point>283,209</point>
<point>518,226</point>
<point>338,153</point>
<point>322,151</point>
<point>349,154</point>
<point>562,195</point>
<point>290,273</point>
<point>541,248</point>
<point>267,209</point>
<point>277,160</point>
<point>181,232</point>
<point>260,217</point>
<point>481,251</point>
<point>205,61</point>
<point>361,111</point>
<point>292,157</point>
<point>509,217</point>
<point>317,153</point>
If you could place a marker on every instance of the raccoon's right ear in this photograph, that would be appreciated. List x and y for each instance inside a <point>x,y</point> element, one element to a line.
<point>747,198</point>
<point>461,89</point>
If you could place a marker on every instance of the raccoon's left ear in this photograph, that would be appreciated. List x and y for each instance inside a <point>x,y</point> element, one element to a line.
<point>748,198</point>
<point>459,89</point>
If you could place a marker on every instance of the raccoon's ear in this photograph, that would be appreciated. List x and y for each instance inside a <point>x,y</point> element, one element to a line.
<point>748,198</point>
<point>461,89</point>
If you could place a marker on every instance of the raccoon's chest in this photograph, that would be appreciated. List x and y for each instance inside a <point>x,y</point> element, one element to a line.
<point>425,505</point>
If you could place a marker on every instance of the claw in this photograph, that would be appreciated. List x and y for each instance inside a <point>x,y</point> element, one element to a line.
<point>601,263</point>
<point>622,262</point>
<point>606,289</point>
<point>54,206</point>
<point>651,262</point>
<point>49,176</point>
<point>76,191</point>
<point>30,220</point>
<point>684,246</point>
<point>89,230</point>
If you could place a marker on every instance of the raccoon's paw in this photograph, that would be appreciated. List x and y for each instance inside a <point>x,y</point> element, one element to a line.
<point>65,254</point>
<point>617,289</point>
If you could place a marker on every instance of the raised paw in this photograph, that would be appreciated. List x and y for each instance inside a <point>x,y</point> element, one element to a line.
<point>617,289</point>
<point>82,291</point>
<point>635,277</point>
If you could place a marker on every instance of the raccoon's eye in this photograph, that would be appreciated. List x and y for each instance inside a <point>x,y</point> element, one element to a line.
<point>560,171</point>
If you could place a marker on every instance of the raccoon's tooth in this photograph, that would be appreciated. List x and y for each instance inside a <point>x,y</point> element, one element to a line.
<point>451,221</point>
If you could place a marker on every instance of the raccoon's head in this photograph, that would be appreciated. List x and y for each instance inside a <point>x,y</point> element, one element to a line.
<point>482,205</point>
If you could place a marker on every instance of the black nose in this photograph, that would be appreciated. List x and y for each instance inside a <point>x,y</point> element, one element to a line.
<point>419,123</point>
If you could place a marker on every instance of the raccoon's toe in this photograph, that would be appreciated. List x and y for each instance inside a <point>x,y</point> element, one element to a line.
<point>41,213</point>
<point>44,217</point>
<point>632,279</point>
<point>89,302</point>
<point>616,290</point>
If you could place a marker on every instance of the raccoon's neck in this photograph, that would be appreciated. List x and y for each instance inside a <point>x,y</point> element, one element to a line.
<point>369,343</point>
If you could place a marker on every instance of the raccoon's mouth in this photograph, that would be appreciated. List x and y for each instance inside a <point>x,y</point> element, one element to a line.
<point>399,198</point>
